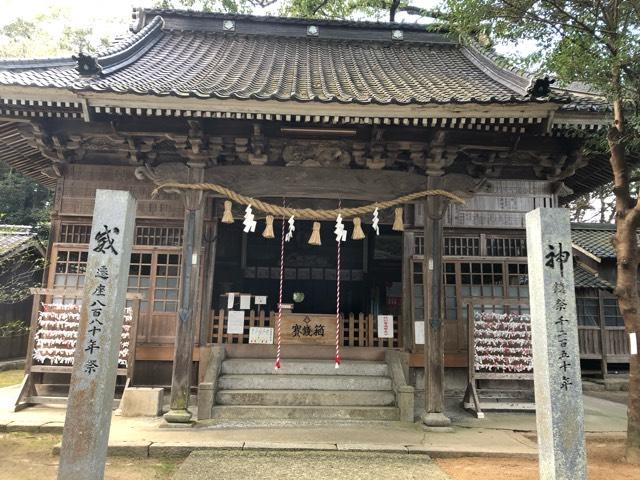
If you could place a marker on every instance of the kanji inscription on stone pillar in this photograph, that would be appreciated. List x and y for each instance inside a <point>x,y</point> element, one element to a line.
<point>86,428</point>
<point>556,355</point>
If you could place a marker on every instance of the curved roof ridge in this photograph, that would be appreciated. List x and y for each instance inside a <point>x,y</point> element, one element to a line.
<point>140,14</point>
<point>123,52</point>
<point>34,63</point>
<point>497,67</point>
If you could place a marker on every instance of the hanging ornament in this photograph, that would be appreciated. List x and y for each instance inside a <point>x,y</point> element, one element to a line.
<point>227,216</point>
<point>339,231</point>
<point>357,234</point>
<point>374,224</point>
<point>292,228</point>
<point>268,229</point>
<point>249,220</point>
<point>398,222</point>
<point>314,239</point>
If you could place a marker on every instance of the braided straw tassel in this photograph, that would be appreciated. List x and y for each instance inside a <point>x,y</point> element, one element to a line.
<point>268,229</point>
<point>227,216</point>
<point>398,223</point>
<point>357,234</point>
<point>314,239</point>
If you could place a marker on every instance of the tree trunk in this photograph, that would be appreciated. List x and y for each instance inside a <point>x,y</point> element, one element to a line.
<point>626,244</point>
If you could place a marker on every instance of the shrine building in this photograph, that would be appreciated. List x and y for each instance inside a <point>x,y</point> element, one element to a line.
<point>314,115</point>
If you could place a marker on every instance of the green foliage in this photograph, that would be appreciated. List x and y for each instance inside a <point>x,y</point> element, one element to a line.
<point>224,6</point>
<point>577,40</point>
<point>46,34</point>
<point>22,201</point>
<point>19,273</point>
<point>382,10</point>
<point>13,329</point>
<point>221,6</point>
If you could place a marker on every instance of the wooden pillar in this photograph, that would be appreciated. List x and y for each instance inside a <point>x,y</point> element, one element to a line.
<point>435,208</point>
<point>604,341</point>
<point>185,330</point>
<point>408,240</point>
<point>208,281</point>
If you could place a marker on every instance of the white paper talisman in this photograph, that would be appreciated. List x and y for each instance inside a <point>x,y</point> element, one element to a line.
<point>245,302</point>
<point>235,324</point>
<point>385,326</point>
<point>260,300</point>
<point>419,332</point>
<point>230,300</point>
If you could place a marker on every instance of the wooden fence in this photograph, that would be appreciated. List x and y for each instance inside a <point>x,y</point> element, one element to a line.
<point>357,330</point>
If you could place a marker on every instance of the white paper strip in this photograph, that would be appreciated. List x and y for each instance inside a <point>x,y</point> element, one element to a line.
<point>245,302</point>
<point>260,300</point>
<point>235,324</point>
<point>419,332</point>
<point>261,335</point>
<point>633,343</point>
<point>385,326</point>
<point>230,300</point>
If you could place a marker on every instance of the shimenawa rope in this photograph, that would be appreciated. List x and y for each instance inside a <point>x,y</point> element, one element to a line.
<point>304,213</point>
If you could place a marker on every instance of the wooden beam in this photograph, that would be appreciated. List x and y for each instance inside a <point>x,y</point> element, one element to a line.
<point>316,182</point>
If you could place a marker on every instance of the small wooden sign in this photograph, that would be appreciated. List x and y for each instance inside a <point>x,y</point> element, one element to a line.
<point>308,329</point>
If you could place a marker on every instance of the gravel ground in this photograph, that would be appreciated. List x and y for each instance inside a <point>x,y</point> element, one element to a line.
<point>270,465</point>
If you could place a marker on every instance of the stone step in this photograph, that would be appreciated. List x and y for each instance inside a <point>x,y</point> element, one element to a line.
<point>303,382</point>
<point>236,412</point>
<point>305,397</point>
<point>253,366</point>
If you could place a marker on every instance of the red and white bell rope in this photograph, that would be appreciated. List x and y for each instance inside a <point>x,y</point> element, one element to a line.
<point>341,235</point>
<point>278,326</point>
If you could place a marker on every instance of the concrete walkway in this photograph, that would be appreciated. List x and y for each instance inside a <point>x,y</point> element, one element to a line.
<point>498,434</point>
<point>234,465</point>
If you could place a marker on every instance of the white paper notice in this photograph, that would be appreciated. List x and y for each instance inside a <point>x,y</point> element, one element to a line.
<point>230,299</point>
<point>385,326</point>
<point>245,302</point>
<point>235,323</point>
<point>260,300</point>
<point>419,332</point>
<point>633,343</point>
<point>261,335</point>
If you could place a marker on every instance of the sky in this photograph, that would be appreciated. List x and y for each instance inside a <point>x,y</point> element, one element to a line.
<point>111,18</point>
<point>83,11</point>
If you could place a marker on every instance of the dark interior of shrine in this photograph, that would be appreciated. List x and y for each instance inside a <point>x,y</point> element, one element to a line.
<point>370,269</point>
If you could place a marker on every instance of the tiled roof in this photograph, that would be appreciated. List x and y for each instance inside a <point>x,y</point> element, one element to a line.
<point>585,279</point>
<point>595,238</point>
<point>13,237</point>
<point>199,59</point>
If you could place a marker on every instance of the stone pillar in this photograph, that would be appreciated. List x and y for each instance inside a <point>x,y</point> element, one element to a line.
<point>434,209</point>
<point>556,355</point>
<point>86,428</point>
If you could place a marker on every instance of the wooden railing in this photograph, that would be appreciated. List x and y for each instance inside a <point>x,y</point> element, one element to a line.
<point>358,330</point>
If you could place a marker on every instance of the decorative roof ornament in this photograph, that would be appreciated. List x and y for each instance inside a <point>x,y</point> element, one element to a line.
<point>540,87</point>
<point>397,35</point>
<point>229,26</point>
<point>313,31</point>
<point>87,64</point>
